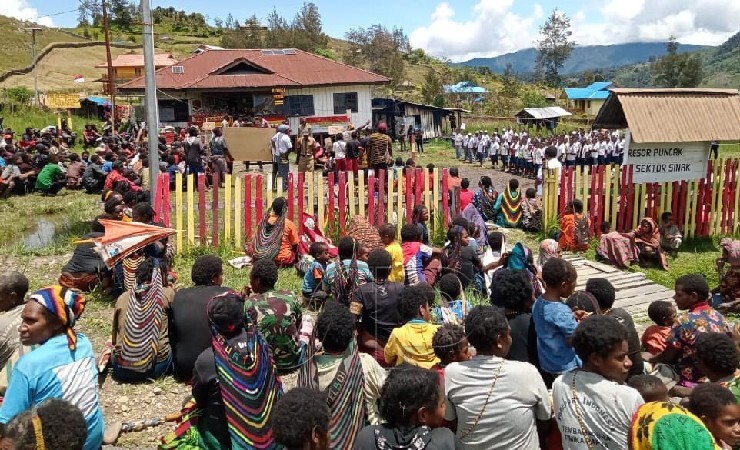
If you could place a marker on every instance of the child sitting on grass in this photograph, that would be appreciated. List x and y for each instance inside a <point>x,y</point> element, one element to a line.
<point>415,254</point>
<point>412,342</point>
<point>575,228</point>
<point>717,407</point>
<point>453,309</point>
<point>554,321</point>
<point>670,235</point>
<point>450,345</point>
<point>313,295</point>
<point>388,237</point>
<point>663,315</point>
<point>49,180</point>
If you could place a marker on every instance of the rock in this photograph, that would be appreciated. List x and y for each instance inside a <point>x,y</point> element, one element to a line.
<point>156,391</point>
<point>122,399</point>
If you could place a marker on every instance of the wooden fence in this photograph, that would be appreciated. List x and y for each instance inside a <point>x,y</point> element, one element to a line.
<point>706,207</point>
<point>229,216</point>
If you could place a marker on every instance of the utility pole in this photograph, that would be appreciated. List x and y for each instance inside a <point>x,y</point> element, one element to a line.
<point>111,81</point>
<point>150,92</point>
<point>33,31</point>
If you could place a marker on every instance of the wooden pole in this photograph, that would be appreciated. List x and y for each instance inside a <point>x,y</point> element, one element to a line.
<point>111,83</point>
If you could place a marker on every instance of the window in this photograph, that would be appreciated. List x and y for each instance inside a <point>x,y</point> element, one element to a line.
<point>588,104</point>
<point>299,105</point>
<point>344,101</point>
<point>137,71</point>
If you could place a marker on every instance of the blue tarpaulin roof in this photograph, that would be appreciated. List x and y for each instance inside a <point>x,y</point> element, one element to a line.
<point>595,91</point>
<point>98,101</point>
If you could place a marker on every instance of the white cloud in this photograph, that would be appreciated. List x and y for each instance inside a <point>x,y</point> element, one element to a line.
<point>20,9</point>
<point>494,28</point>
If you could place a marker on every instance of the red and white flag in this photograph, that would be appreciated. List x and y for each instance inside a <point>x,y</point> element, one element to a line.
<point>79,79</point>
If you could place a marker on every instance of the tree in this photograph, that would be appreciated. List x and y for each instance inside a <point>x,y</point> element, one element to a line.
<point>677,69</point>
<point>554,47</point>
<point>306,28</point>
<point>431,90</point>
<point>278,30</point>
<point>533,99</point>
<point>510,87</point>
<point>229,23</point>
<point>378,50</point>
<point>121,16</point>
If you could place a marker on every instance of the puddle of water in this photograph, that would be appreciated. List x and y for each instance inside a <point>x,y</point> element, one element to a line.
<point>42,236</point>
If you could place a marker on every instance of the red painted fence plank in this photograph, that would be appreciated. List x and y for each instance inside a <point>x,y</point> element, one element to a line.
<point>291,197</point>
<point>258,200</point>
<point>214,207</point>
<point>202,207</point>
<point>409,187</point>
<point>342,202</point>
<point>248,207</point>
<point>330,202</point>
<point>445,197</point>
<point>381,198</point>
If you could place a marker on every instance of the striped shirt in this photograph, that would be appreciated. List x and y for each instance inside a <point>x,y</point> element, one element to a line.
<point>378,146</point>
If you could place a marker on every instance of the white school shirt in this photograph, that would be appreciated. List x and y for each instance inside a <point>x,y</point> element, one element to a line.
<point>537,155</point>
<point>339,148</point>
<point>494,148</point>
<point>611,149</point>
<point>473,143</point>
<point>572,153</point>
<point>482,144</point>
<point>458,140</point>
<point>282,144</point>
<point>465,140</point>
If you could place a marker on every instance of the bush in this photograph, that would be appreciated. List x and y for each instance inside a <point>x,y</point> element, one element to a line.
<point>19,95</point>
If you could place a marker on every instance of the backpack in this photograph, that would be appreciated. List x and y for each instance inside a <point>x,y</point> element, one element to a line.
<point>583,234</point>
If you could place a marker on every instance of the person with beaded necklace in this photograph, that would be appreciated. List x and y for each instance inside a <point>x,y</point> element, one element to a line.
<point>592,407</point>
<point>276,237</point>
<point>496,403</point>
<point>508,207</point>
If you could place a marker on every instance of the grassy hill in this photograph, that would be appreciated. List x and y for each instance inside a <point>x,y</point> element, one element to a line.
<point>16,43</point>
<point>722,65</point>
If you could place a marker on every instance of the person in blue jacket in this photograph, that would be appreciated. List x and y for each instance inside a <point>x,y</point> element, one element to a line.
<point>61,366</point>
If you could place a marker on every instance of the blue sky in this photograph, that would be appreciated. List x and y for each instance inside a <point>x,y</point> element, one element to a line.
<point>462,29</point>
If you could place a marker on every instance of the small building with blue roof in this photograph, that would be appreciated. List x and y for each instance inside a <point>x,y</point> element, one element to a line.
<point>588,100</point>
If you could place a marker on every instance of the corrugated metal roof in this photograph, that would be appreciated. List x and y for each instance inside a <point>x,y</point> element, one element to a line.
<point>297,68</point>
<point>594,91</point>
<point>673,115</point>
<point>549,112</point>
<point>160,60</point>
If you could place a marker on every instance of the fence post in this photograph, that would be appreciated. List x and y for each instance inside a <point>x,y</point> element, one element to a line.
<point>445,197</point>
<point>178,211</point>
<point>361,194</point>
<point>435,194</point>
<point>202,207</point>
<point>342,203</point>
<point>301,195</point>
<point>227,205</point>
<point>399,201</point>
<point>214,209</point>
<point>371,199</point>
<point>351,199</point>
<point>381,197</point>
<point>248,208</point>
<point>238,206</point>
<point>191,209</point>
<point>259,190</point>
<point>320,207</point>
<point>736,210</point>
<point>331,207</point>
<point>164,181</point>
<point>291,197</point>
<point>409,190</point>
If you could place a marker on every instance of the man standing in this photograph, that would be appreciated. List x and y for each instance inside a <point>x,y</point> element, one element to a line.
<point>281,146</point>
<point>458,145</point>
<point>219,153</point>
<point>379,146</point>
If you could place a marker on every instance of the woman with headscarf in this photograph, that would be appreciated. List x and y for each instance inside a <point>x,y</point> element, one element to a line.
<point>647,240</point>
<point>667,426</point>
<point>471,214</point>
<point>63,364</point>
<point>485,199</point>
<point>276,237</point>
<point>549,248</point>
<point>235,385</point>
<point>520,258</point>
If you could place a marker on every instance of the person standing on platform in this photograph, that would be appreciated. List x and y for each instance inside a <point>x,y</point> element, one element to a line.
<point>281,146</point>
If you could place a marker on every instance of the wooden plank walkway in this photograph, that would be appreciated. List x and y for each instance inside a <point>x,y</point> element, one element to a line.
<point>634,291</point>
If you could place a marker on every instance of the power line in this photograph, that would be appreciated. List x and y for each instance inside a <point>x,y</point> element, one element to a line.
<point>58,13</point>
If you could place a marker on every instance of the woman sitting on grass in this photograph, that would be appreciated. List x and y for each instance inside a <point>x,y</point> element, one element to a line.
<point>276,237</point>
<point>647,240</point>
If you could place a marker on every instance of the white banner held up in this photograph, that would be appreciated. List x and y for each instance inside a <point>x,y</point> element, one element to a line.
<point>661,162</point>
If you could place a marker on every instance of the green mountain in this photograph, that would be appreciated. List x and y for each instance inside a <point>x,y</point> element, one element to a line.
<point>584,58</point>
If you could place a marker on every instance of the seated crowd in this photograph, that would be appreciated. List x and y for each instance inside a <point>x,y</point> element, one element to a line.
<point>384,343</point>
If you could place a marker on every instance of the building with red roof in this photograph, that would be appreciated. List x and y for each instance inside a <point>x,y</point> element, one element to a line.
<point>130,66</point>
<point>277,84</point>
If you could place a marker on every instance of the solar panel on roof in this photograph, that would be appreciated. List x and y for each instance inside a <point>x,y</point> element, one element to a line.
<point>289,51</point>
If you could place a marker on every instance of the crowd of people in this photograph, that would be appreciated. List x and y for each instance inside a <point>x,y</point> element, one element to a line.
<point>388,349</point>
<point>523,154</point>
<point>384,340</point>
